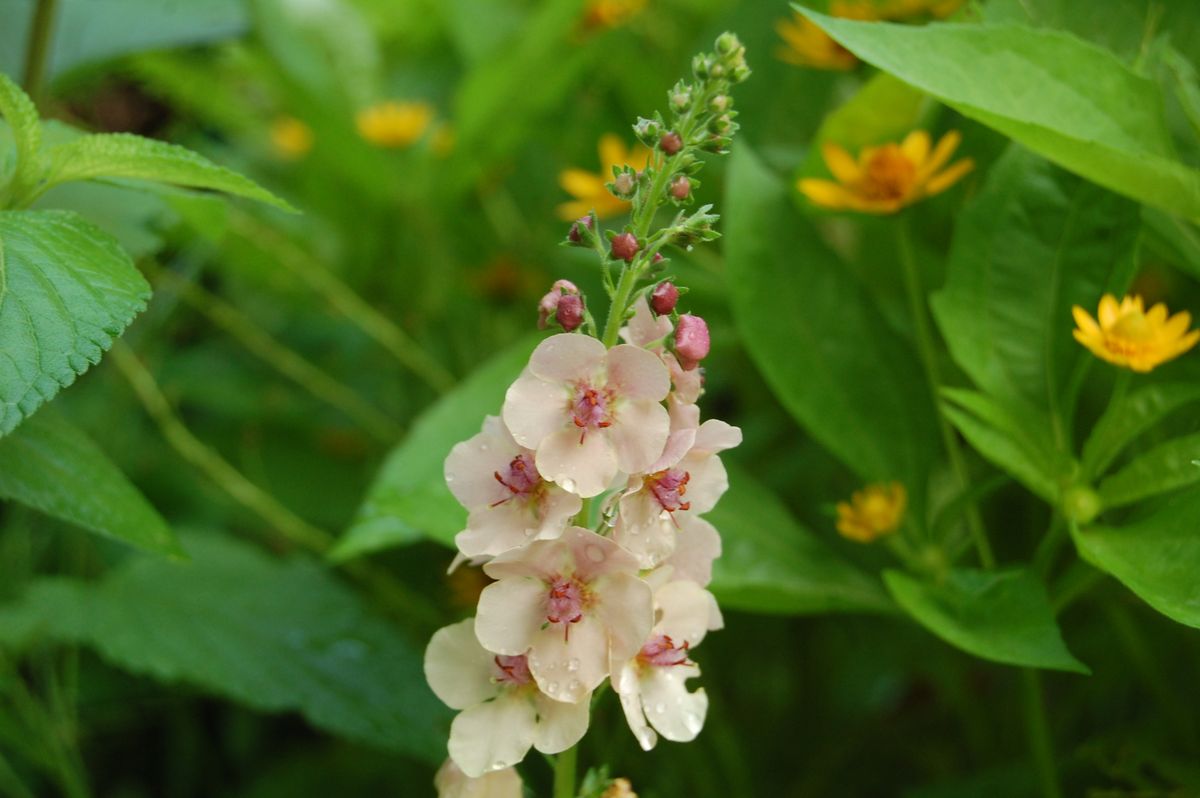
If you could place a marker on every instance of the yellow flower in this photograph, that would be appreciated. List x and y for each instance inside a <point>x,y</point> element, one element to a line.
<point>610,13</point>
<point>809,46</point>
<point>394,124</point>
<point>872,512</point>
<point>291,138</point>
<point>907,9</point>
<point>619,788</point>
<point>1127,335</point>
<point>589,188</point>
<point>887,178</point>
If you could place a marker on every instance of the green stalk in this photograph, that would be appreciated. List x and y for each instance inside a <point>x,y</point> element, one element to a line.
<point>38,47</point>
<point>928,353</point>
<point>620,302</point>
<point>564,773</point>
<point>1039,734</point>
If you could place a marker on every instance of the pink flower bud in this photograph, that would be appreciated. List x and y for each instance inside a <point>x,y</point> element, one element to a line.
<point>569,313</point>
<point>670,143</point>
<point>663,298</point>
<point>550,303</point>
<point>691,341</point>
<point>624,185</point>
<point>681,187</point>
<point>575,235</point>
<point>625,246</point>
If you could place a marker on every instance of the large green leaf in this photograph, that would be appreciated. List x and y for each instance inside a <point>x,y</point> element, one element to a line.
<point>66,290</point>
<point>409,498</point>
<point>1073,102</point>
<point>275,635</point>
<point>817,338</point>
<point>772,564</point>
<point>51,466</point>
<point>1129,417</point>
<point>1033,243</point>
<point>21,115</point>
<point>1003,616</point>
<point>1157,557</point>
<point>1168,466</point>
<point>125,155</point>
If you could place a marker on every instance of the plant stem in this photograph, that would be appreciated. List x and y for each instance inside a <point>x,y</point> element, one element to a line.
<point>1039,734</point>
<point>564,773</point>
<point>37,47</point>
<point>928,354</point>
<point>616,311</point>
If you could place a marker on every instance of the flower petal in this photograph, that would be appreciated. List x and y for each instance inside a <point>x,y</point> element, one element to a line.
<point>687,612</point>
<point>638,434</point>
<point>582,463</point>
<point>642,531</point>
<point>493,735</point>
<point>458,669</point>
<point>568,664</point>
<point>581,184</point>
<point>612,153</point>
<point>637,374</point>
<point>626,607</point>
<point>916,147</point>
<point>629,690</point>
<point>943,180</point>
<point>1109,311</point>
<point>567,357</point>
<point>451,782</point>
<point>697,544</point>
<point>644,327</point>
<point>595,555</point>
<point>1084,321</point>
<point>535,408</point>
<point>941,154</point>
<point>510,613</point>
<point>715,436</point>
<point>840,163</point>
<point>707,482</point>
<point>677,714</point>
<point>826,193</point>
<point>560,725</point>
<point>471,466</point>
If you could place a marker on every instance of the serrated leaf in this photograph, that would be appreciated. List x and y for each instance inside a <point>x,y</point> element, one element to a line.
<point>771,564</point>
<point>409,498</point>
<point>1002,616</point>
<point>1166,467</point>
<point>21,114</point>
<point>66,291</point>
<point>1070,101</point>
<point>276,635</point>
<point>1128,418</point>
<point>1157,557</point>
<point>128,156</point>
<point>52,466</point>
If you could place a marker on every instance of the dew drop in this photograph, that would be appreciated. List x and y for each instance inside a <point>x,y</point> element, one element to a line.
<point>595,553</point>
<point>573,664</point>
<point>483,447</point>
<point>568,485</point>
<point>574,685</point>
<point>450,476</point>
<point>659,708</point>
<point>552,688</point>
<point>693,722</point>
<point>498,765</point>
<point>529,532</point>
<point>664,516</point>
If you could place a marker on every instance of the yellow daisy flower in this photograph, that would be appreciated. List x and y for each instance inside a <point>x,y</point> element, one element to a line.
<point>394,124</point>
<point>806,45</point>
<point>907,9</point>
<point>588,188</point>
<point>1126,334</point>
<point>610,13</point>
<point>887,178</point>
<point>872,512</point>
<point>291,138</point>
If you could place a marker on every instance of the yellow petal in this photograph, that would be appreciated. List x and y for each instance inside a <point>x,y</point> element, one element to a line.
<point>581,184</point>
<point>612,153</point>
<point>1087,325</point>
<point>916,147</point>
<point>826,193</point>
<point>840,162</point>
<point>1176,325</point>
<point>1185,343</point>
<point>941,153</point>
<point>942,181</point>
<point>1108,312</point>
<point>1157,315</point>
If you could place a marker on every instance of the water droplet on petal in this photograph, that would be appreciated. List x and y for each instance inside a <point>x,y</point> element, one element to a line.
<point>595,553</point>
<point>499,765</point>
<point>530,532</point>
<point>568,485</point>
<point>693,722</point>
<point>449,476</point>
<point>483,447</point>
<point>552,688</point>
<point>573,664</point>
<point>659,708</point>
<point>574,685</point>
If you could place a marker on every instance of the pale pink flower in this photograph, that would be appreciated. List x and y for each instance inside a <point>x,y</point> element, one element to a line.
<point>503,712</point>
<point>572,603</point>
<point>652,685</point>
<point>686,481</point>
<point>451,782</point>
<point>649,332</point>
<point>697,544</point>
<point>588,411</point>
<point>510,504</point>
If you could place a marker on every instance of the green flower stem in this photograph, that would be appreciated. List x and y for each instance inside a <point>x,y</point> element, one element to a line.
<point>620,303</point>
<point>928,353</point>
<point>1050,545</point>
<point>564,773</point>
<point>37,49</point>
<point>1039,734</point>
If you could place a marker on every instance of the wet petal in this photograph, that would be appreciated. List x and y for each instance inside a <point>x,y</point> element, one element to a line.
<point>569,663</point>
<point>567,357</point>
<point>642,531</point>
<point>715,436</point>
<point>626,607</point>
<point>560,725</point>
<point>625,682</point>
<point>635,373</point>
<point>707,483</point>
<point>688,612</point>
<point>458,669</point>
<point>535,408</point>
<point>583,464</point>
<point>697,544</point>
<point>677,714</point>
<point>639,434</point>
<point>493,735</point>
<point>510,613</point>
<point>471,466</point>
<point>451,782</point>
<point>594,555</point>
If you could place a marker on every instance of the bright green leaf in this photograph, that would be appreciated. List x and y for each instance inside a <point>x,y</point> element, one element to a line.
<point>1129,417</point>
<point>817,338</point>
<point>1073,102</point>
<point>771,564</point>
<point>1033,243</point>
<point>68,291</point>
<point>1166,467</point>
<point>409,498</point>
<point>274,635</point>
<point>1157,557</point>
<point>21,115</point>
<point>54,467</point>
<point>1003,616</point>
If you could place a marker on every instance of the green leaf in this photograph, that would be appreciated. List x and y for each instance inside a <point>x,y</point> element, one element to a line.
<point>1073,102</point>
<point>1019,444</point>
<point>817,338</point>
<point>1129,417</point>
<point>409,499</point>
<point>1033,243</point>
<point>21,114</point>
<point>1157,557</point>
<point>772,564</point>
<point>275,635</point>
<point>125,155</point>
<point>1003,616</point>
<point>66,291</point>
<point>1168,466</point>
<point>51,466</point>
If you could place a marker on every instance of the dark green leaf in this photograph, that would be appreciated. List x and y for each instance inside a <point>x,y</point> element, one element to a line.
<point>1129,417</point>
<point>1168,466</point>
<point>1003,616</point>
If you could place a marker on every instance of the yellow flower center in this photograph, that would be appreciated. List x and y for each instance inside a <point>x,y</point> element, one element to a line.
<point>1133,327</point>
<point>888,174</point>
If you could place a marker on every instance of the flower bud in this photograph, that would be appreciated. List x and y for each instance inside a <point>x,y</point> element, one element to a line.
<point>680,100</point>
<point>663,298</point>
<point>719,104</point>
<point>569,313</point>
<point>647,130</point>
<point>581,231</point>
<point>624,185</point>
<point>625,246</point>
<point>727,43</point>
<point>681,188</point>
<point>549,305</point>
<point>691,341</point>
<point>670,143</point>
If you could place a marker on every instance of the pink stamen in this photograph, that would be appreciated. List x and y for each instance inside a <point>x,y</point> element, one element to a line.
<point>662,651</point>
<point>669,487</point>
<point>513,670</point>
<point>590,408</point>
<point>522,479</point>
<point>565,603</point>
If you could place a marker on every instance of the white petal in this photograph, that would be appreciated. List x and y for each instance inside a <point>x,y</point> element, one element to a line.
<point>568,665</point>
<point>639,434</point>
<point>707,482</point>
<point>471,466</point>
<point>594,555</point>
<point>558,508</point>
<point>541,559</point>
<point>679,443</point>
<point>677,714</point>
<point>567,357</point>
<point>493,735</point>
<point>509,615</point>
<point>642,530</point>
<point>495,530</point>
<point>697,544</point>
<point>688,384</point>
<point>687,612</point>
<point>645,327</point>
<point>560,725</point>
<point>581,464</point>
<point>625,605</point>
<point>715,435</point>
<point>635,373</point>
<point>629,689</point>
<point>534,408</point>
<point>451,782</point>
<point>457,668</point>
